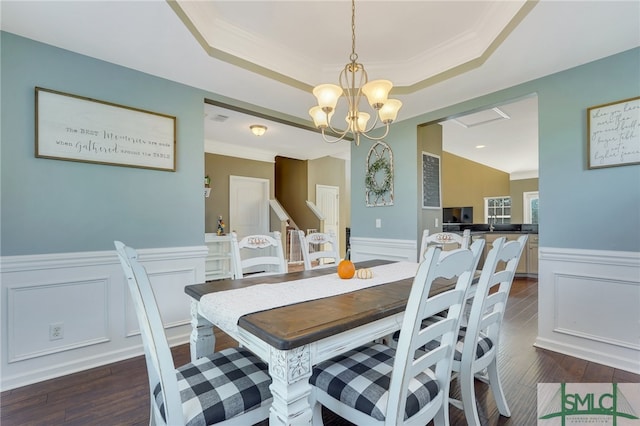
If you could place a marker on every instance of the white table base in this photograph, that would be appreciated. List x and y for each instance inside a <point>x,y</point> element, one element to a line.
<point>290,369</point>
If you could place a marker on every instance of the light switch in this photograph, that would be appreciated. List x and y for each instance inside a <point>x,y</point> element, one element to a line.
<point>378,223</point>
<point>436,222</point>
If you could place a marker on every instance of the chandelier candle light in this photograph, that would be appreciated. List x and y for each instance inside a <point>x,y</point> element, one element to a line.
<point>376,92</point>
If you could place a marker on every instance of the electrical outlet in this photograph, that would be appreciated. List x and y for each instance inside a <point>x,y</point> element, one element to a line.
<point>56,331</point>
<point>378,223</point>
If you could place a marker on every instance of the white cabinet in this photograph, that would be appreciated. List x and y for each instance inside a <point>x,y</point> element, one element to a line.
<point>218,263</point>
<point>532,255</point>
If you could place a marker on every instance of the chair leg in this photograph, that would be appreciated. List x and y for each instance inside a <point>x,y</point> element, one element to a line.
<point>316,413</point>
<point>152,417</point>
<point>467,391</point>
<point>442,416</point>
<point>393,344</point>
<point>496,388</point>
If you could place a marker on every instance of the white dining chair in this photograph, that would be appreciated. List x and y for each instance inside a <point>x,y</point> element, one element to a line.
<point>444,239</point>
<point>477,248</point>
<point>377,385</point>
<point>229,388</point>
<point>319,247</point>
<point>258,255</point>
<point>479,342</point>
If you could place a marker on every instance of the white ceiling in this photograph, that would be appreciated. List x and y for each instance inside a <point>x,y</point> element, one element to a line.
<point>270,53</point>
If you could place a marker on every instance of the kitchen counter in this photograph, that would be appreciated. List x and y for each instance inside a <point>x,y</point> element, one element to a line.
<point>528,265</point>
<point>498,228</point>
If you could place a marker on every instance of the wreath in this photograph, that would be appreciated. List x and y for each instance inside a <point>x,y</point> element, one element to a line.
<point>380,165</point>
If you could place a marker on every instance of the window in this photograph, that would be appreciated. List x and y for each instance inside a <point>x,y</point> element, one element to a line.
<point>530,206</point>
<point>497,209</point>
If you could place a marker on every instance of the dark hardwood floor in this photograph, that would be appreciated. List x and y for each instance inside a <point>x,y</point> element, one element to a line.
<point>117,394</point>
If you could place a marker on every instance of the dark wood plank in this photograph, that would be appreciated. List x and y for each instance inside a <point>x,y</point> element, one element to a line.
<point>296,325</point>
<point>299,324</point>
<point>597,373</point>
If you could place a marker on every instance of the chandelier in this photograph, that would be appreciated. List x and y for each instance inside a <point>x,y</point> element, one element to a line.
<point>376,92</point>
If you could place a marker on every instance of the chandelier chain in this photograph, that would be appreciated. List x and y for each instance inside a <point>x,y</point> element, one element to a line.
<point>354,55</point>
<point>376,93</point>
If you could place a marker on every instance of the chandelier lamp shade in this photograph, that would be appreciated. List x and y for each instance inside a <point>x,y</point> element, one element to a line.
<point>354,83</point>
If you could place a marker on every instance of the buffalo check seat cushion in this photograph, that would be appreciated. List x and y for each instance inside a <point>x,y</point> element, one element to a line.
<point>360,379</point>
<point>229,383</point>
<point>484,342</point>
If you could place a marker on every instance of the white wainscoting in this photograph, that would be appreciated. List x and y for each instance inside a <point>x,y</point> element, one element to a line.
<point>380,248</point>
<point>589,305</point>
<point>86,293</point>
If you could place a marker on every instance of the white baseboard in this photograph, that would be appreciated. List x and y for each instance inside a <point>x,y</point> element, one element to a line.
<point>75,365</point>
<point>581,352</point>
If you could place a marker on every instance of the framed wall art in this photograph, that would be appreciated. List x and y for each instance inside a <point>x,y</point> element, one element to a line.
<point>613,131</point>
<point>75,128</point>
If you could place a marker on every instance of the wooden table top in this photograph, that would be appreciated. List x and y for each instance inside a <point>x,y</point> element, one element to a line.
<point>291,326</point>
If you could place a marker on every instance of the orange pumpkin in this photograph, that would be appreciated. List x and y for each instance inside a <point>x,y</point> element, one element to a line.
<point>346,269</point>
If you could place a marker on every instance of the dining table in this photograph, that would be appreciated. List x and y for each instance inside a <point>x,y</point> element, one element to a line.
<point>295,320</point>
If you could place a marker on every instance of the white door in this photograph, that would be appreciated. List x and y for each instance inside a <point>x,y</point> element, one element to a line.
<point>328,202</point>
<point>248,205</point>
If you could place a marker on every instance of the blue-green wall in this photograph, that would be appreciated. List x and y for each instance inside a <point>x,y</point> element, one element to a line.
<point>591,209</point>
<point>399,220</point>
<point>580,208</point>
<point>52,206</point>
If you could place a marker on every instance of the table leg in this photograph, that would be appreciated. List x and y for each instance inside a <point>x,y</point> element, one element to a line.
<point>203,340</point>
<point>290,371</point>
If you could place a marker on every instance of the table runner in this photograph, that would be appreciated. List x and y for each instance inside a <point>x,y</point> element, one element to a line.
<point>224,308</point>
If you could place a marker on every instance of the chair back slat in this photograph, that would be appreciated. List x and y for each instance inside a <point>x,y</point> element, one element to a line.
<point>481,346</point>
<point>318,246</point>
<point>487,310</point>
<point>444,239</point>
<point>160,366</point>
<point>461,264</point>
<point>258,254</point>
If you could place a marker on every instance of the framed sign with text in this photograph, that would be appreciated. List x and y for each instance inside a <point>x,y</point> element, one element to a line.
<point>614,134</point>
<point>75,128</point>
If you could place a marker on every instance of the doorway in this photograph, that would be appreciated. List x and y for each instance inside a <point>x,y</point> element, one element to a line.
<point>501,142</point>
<point>248,205</point>
<point>328,202</point>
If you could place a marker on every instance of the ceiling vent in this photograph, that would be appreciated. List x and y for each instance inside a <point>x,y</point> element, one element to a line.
<point>481,117</point>
<point>220,118</point>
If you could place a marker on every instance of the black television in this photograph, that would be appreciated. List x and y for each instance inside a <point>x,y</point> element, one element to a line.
<point>457,215</point>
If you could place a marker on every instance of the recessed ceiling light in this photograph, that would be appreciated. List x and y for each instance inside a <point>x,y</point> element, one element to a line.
<point>480,146</point>
<point>258,129</point>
